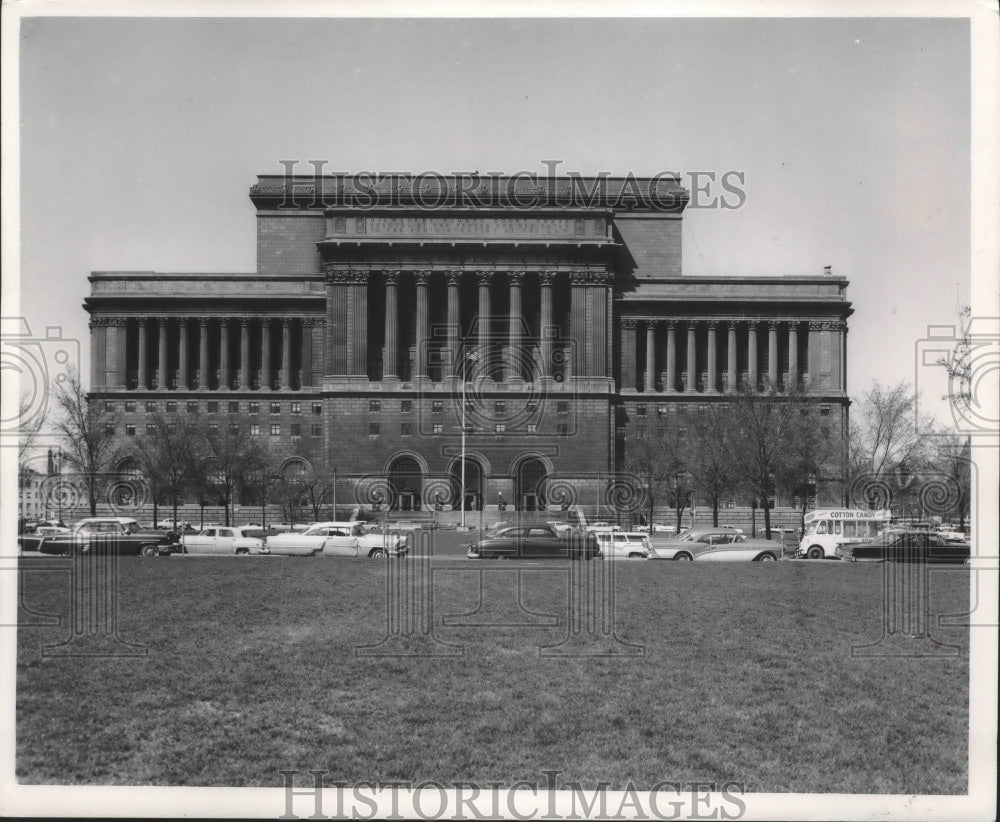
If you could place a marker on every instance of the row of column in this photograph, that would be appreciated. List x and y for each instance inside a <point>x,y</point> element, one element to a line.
<point>656,351</point>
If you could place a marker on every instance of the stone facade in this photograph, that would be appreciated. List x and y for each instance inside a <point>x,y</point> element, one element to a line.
<point>378,324</point>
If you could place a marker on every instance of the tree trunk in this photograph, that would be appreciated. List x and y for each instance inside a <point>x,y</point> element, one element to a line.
<point>156,508</point>
<point>715,511</point>
<point>175,510</point>
<point>92,494</point>
<point>767,518</point>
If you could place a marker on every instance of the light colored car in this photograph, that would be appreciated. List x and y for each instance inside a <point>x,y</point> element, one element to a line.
<point>688,544</point>
<point>742,550</point>
<point>338,539</point>
<point>623,544</point>
<point>238,540</point>
<point>561,528</point>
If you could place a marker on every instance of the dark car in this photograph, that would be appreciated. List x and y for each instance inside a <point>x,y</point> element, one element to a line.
<point>535,542</point>
<point>119,535</point>
<point>905,546</point>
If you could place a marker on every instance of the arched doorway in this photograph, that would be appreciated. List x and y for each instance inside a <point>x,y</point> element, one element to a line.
<point>406,480</point>
<point>475,483</point>
<point>529,485</point>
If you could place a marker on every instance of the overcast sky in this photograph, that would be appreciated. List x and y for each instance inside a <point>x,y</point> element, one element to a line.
<point>140,138</point>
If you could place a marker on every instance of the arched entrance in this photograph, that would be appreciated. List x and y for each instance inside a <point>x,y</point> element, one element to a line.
<point>475,483</point>
<point>406,480</point>
<point>529,485</point>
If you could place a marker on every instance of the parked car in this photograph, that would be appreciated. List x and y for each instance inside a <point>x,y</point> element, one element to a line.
<point>120,535</point>
<point>339,539</point>
<point>688,544</point>
<point>561,528</point>
<point>905,546</point>
<point>656,528</point>
<point>535,542</point>
<point>238,540</point>
<point>623,544</point>
<point>741,550</point>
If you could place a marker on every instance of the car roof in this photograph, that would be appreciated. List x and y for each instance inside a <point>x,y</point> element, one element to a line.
<point>122,520</point>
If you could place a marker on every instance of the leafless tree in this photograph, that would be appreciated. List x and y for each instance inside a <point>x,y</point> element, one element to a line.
<point>228,458</point>
<point>710,451</point>
<point>166,455</point>
<point>885,432</point>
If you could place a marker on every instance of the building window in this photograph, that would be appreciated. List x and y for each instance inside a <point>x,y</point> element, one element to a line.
<point>500,408</point>
<point>296,431</point>
<point>129,406</point>
<point>317,430</point>
<point>824,410</point>
<point>730,503</point>
<point>500,428</point>
<point>661,410</point>
<point>150,406</point>
<point>406,429</point>
<point>109,430</point>
<point>661,433</point>
<point>192,407</point>
<point>275,408</point>
<point>254,429</point>
<point>213,407</point>
<point>562,407</point>
<point>109,406</point>
<point>562,429</point>
<point>682,432</point>
<point>531,406</point>
<point>234,428</point>
<point>275,429</point>
<point>640,410</point>
<point>532,428</point>
<point>470,407</point>
<point>234,407</point>
<point>406,406</point>
<point>317,408</point>
<point>682,409</point>
<point>171,407</point>
<point>373,429</point>
<point>296,407</point>
<point>702,409</point>
<point>129,430</point>
<point>374,406</point>
<point>213,428</point>
<point>438,428</point>
<point>171,427</point>
<point>640,433</point>
<point>253,407</point>
<point>437,406</point>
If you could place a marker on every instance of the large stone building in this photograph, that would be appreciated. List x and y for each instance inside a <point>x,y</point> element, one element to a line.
<point>561,301</point>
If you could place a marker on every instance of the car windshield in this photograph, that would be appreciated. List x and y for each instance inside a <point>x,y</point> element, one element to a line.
<point>131,527</point>
<point>683,534</point>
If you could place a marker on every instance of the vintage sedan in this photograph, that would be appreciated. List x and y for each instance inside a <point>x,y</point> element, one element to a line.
<point>688,544</point>
<point>118,535</point>
<point>741,550</point>
<point>535,542</point>
<point>238,541</point>
<point>905,546</point>
<point>339,539</point>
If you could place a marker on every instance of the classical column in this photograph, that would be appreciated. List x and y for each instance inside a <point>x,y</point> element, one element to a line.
<point>713,377</point>
<point>265,353</point>
<point>161,359</point>
<point>120,327</point>
<point>772,355</point>
<point>731,358</point>
<point>183,355</point>
<point>485,279</point>
<point>143,353</point>
<point>244,354</point>
<point>224,355</point>
<point>203,353</point>
<point>454,279</point>
<point>752,355</point>
<point>580,327</point>
<point>628,375</point>
<point>650,384</point>
<point>306,326</point>
<point>546,329</point>
<point>692,362</point>
<point>671,356</point>
<point>514,280</point>
<point>793,355</point>
<point>390,352</point>
<point>286,353</point>
<point>423,337</point>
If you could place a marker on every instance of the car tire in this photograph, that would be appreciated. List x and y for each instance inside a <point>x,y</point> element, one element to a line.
<point>378,553</point>
<point>148,551</point>
<point>766,558</point>
<point>242,552</point>
<point>815,552</point>
<point>636,556</point>
<point>683,556</point>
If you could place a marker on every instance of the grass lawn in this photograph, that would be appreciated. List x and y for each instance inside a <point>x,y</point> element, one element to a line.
<point>747,676</point>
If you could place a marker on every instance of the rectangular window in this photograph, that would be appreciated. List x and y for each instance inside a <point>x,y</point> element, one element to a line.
<point>150,428</point>
<point>296,407</point>
<point>254,429</point>
<point>500,408</point>
<point>150,406</point>
<point>702,409</point>
<point>374,406</point>
<point>234,407</point>
<point>213,407</point>
<point>213,428</point>
<point>661,433</point>
<point>438,428</point>
<point>129,430</point>
<point>406,406</point>
<point>682,408</point>
<point>437,406</point>
<point>531,406</point>
<point>275,429</point>
<point>275,408</point>
<point>532,428</point>
<point>109,406</point>
<point>470,407</point>
<point>563,429</point>
<point>253,407</point>
<point>234,428</point>
<point>192,407</point>
<point>129,406</point>
<point>317,430</point>
<point>295,429</point>
<point>562,407</point>
<point>171,407</point>
<point>499,428</point>
<point>317,408</point>
<point>172,427</point>
<point>640,410</point>
<point>373,429</point>
<point>640,433</point>
<point>406,429</point>
<point>682,432</point>
<point>824,410</point>
<point>661,410</point>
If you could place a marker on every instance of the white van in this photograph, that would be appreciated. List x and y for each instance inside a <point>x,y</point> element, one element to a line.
<point>827,528</point>
<point>623,544</point>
